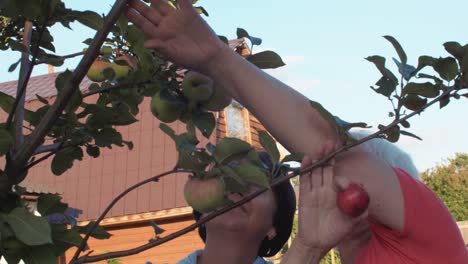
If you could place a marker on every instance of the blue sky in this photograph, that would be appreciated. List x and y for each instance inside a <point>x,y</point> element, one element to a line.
<point>324,44</point>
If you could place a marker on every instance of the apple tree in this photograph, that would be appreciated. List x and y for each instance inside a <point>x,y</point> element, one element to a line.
<point>124,72</point>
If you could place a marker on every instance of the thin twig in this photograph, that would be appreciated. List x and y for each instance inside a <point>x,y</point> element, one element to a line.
<point>114,201</point>
<point>115,87</point>
<point>275,182</point>
<point>57,149</point>
<point>64,57</point>
<point>24,83</point>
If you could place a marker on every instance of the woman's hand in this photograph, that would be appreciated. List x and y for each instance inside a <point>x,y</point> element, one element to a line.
<point>180,35</point>
<point>321,224</point>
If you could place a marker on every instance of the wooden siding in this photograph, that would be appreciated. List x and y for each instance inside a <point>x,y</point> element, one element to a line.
<point>92,183</point>
<point>130,236</point>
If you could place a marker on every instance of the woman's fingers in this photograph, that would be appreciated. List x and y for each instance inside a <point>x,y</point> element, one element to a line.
<point>151,14</point>
<point>317,175</point>
<point>328,174</point>
<point>185,4</point>
<point>305,182</point>
<point>162,6</point>
<point>141,22</point>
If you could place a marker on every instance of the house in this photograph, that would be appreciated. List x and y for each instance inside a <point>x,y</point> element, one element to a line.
<point>92,183</point>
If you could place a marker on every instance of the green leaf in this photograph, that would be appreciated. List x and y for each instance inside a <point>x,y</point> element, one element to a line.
<point>379,62</point>
<point>401,53</point>
<point>454,48</point>
<point>406,71</point>
<point>297,157</point>
<point>63,159</point>
<point>62,79</point>
<point>414,102</point>
<point>89,18</point>
<point>17,46</point>
<point>28,228</point>
<point>405,124</point>
<point>406,133</point>
<point>228,147</point>
<point>229,172</point>
<point>168,130</point>
<point>6,141</point>
<point>426,89</point>
<point>269,144</point>
<point>252,174</point>
<point>444,102</point>
<point>107,136</point>
<point>193,160</point>
<point>266,60</point>
<point>93,151</point>
<point>6,102</point>
<point>386,86</point>
<point>447,68</point>
<point>205,122</point>
<point>74,102</point>
<point>201,10</point>
<point>157,230</point>
<point>393,134</point>
<point>42,99</point>
<point>66,239</point>
<point>13,66</point>
<point>40,255</point>
<point>98,233</point>
<point>12,258</point>
<point>54,60</point>
<point>242,33</point>
<point>50,203</point>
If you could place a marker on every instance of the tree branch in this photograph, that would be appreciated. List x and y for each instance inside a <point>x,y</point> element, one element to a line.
<point>37,136</point>
<point>114,201</point>
<point>115,87</point>
<point>20,96</point>
<point>275,182</point>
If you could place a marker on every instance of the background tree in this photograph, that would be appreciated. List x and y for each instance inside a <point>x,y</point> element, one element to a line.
<point>450,182</point>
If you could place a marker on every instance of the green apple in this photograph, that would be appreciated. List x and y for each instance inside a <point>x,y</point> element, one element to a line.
<point>197,87</point>
<point>204,195</point>
<point>122,70</point>
<point>96,71</point>
<point>166,108</point>
<point>218,100</point>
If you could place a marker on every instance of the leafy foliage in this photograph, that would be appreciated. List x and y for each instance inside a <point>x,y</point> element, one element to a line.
<point>450,182</point>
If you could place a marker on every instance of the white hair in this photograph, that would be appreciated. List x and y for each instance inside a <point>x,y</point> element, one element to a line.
<point>387,151</point>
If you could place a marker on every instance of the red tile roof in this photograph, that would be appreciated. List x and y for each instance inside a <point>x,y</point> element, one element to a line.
<point>43,85</point>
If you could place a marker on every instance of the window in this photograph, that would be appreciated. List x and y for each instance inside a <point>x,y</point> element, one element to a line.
<point>237,122</point>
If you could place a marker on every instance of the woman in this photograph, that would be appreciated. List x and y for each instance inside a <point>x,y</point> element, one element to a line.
<point>406,220</point>
<point>246,234</point>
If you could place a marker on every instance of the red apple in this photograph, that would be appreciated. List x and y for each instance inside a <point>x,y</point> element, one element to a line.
<point>204,195</point>
<point>353,201</point>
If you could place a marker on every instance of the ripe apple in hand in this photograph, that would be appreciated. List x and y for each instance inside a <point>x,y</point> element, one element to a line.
<point>204,195</point>
<point>353,201</point>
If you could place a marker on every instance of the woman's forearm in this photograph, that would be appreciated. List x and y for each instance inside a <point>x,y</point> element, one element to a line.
<point>286,113</point>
